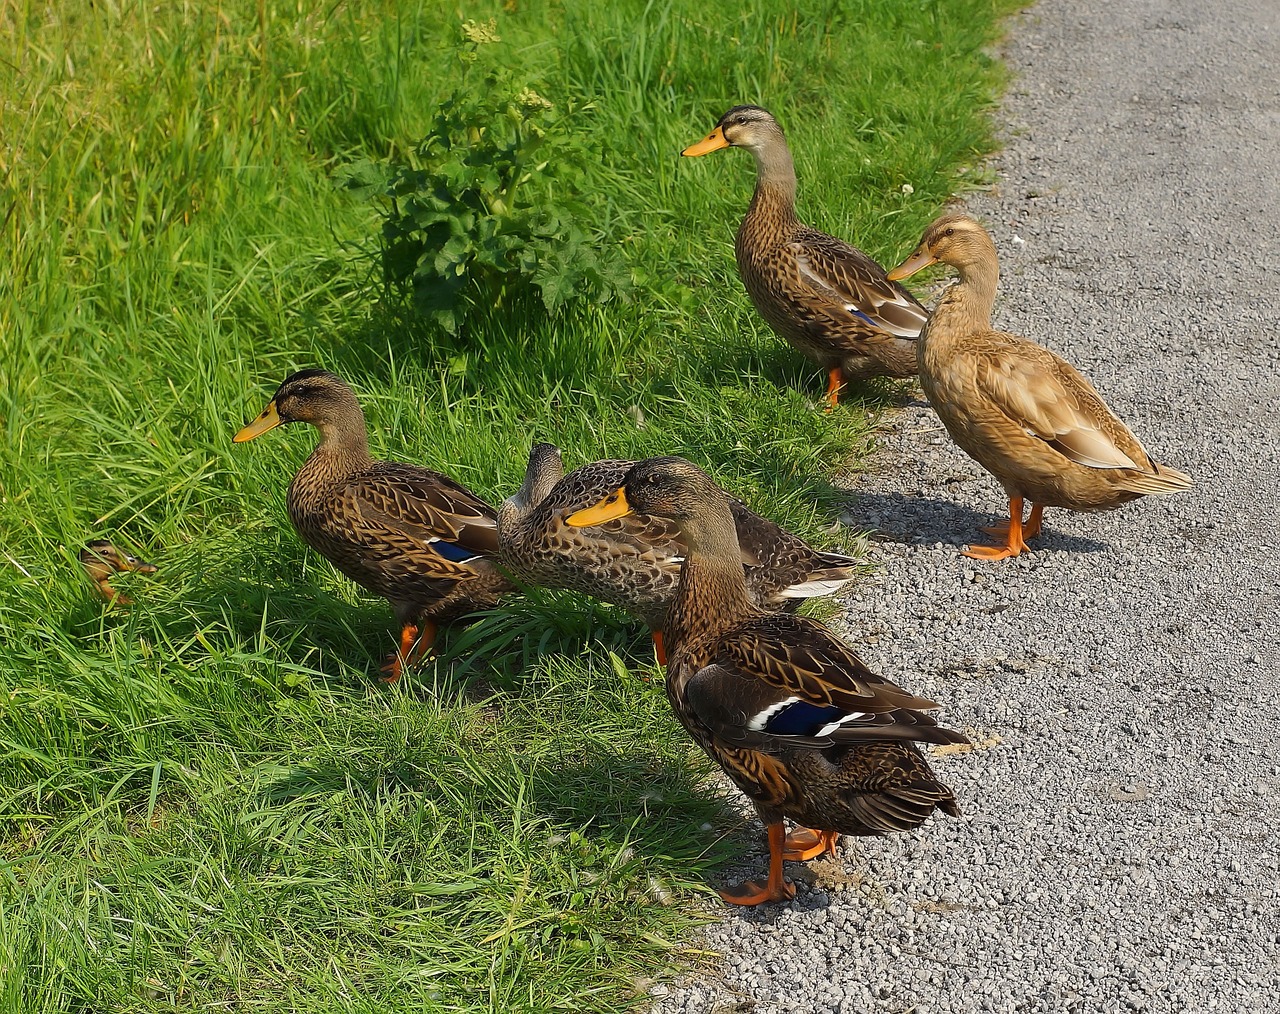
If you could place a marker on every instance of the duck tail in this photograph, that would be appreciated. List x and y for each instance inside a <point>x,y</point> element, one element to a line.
<point>1163,481</point>
<point>908,799</point>
<point>828,574</point>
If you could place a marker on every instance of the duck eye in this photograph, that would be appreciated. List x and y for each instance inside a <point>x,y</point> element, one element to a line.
<point>949,232</point>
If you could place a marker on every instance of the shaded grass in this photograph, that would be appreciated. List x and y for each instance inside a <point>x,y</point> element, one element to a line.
<point>207,799</point>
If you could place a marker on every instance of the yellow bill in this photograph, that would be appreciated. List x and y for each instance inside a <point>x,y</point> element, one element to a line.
<point>268,420</point>
<point>712,142</point>
<point>613,506</point>
<point>918,261</point>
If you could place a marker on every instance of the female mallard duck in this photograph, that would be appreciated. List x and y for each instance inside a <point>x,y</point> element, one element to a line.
<point>782,704</point>
<point>1023,413</point>
<point>100,559</point>
<point>827,298</point>
<point>417,538</point>
<point>634,562</point>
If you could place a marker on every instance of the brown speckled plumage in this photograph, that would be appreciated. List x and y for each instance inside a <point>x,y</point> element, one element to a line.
<point>411,535</point>
<point>789,712</point>
<point>729,661</point>
<point>827,298</point>
<point>634,561</point>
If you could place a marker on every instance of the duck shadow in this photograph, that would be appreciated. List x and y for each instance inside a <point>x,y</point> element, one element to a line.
<point>624,795</point>
<point>270,598</point>
<point>298,624</point>
<point>924,520</point>
<point>660,811</point>
<point>603,799</point>
<point>783,367</point>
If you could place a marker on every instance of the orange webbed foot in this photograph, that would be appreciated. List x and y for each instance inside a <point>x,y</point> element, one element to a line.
<point>1013,535</point>
<point>393,667</point>
<point>1030,528</point>
<point>805,843</point>
<point>415,642</point>
<point>659,648</point>
<point>751,893</point>
<point>776,888</point>
<point>994,552</point>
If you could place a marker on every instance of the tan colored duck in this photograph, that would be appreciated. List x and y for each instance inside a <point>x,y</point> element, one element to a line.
<point>827,298</point>
<point>787,709</point>
<point>1022,412</point>
<point>101,559</point>
<point>416,537</point>
<point>634,561</point>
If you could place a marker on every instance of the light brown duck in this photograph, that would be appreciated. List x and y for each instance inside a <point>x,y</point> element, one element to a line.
<point>1022,412</point>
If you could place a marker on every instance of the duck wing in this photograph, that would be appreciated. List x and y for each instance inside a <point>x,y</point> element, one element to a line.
<point>782,679</point>
<point>1050,399</point>
<point>843,275</point>
<point>425,506</point>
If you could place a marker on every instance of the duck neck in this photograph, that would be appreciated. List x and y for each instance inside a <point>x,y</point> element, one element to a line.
<point>343,451</point>
<point>712,592</point>
<point>540,477</point>
<point>775,195</point>
<point>967,304</point>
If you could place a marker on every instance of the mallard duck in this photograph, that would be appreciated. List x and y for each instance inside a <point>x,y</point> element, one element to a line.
<point>100,559</point>
<point>1023,413</point>
<point>784,706</point>
<point>827,298</point>
<point>417,538</point>
<point>634,562</point>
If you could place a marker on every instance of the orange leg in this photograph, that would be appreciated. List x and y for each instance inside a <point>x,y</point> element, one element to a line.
<point>1030,528</point>
<point>805,843</point>
<point>835,383</point>
<point>659,648</point>
<point>777,888</point>
<point>1014,543</point>
<point>415,642</point>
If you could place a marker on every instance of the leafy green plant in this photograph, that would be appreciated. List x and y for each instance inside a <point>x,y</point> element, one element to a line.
<point>488,210</point>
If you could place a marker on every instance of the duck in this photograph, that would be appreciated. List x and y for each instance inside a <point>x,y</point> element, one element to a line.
<point>828,299</point>
<point>415,537</point>
<point>634,562</point>
<point>790,713</point>
<point>101,559</point>
<point>1021,411</point>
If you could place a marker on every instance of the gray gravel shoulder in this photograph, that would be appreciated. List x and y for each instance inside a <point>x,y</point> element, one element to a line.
<point>1119,845</point>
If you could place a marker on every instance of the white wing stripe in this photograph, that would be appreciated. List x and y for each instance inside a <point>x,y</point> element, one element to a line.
<point>758,723</point>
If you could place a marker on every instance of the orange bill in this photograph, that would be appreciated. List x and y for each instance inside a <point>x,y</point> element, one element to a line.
<point>268,420</point>
<point>712,142</point>
<point>613,506</point>
<point>140,566</point>
<point>918,261</point>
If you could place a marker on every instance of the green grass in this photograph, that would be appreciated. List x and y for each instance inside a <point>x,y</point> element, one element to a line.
<point>208,800</point>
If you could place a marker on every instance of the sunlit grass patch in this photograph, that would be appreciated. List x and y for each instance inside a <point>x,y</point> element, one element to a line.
<point>208,799</point>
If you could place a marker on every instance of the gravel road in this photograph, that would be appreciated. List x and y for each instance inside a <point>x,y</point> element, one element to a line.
<point>1119,846</point>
